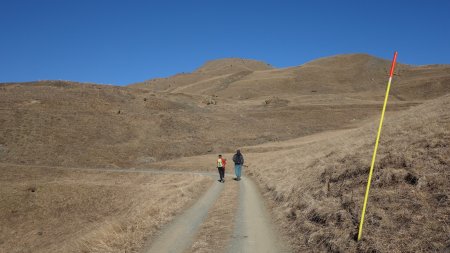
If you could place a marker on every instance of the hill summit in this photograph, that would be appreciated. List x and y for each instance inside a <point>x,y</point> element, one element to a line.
<point>232,65</point>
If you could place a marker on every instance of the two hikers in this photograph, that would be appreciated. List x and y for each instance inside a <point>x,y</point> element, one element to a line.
<point>238,160</point>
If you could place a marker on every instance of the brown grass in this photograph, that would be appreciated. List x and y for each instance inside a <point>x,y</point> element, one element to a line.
<point>61,123</point>
<point>317,188</point>
<point>51,210</point>
<point>315,183</point>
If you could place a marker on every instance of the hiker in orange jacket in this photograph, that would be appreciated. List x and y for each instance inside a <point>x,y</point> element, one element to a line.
<point>221,162</point>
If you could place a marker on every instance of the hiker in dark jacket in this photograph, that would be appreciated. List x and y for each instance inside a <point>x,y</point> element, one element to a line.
<point>238,160</point>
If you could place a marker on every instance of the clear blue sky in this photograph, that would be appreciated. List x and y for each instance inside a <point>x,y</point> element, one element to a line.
<point>121,42</point>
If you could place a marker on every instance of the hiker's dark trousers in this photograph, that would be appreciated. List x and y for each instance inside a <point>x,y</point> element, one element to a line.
<point>221,172</point>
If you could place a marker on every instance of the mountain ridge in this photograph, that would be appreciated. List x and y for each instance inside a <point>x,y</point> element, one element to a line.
<point>349,73</point>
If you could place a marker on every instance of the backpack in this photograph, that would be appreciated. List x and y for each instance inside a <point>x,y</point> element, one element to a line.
<point>238,159</point>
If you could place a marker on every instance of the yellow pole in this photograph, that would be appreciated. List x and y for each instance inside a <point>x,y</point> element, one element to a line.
<point>366,196</point>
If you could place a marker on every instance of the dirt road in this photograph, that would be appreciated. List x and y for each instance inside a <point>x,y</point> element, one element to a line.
<point>253,231</point>
<point>178,235</point>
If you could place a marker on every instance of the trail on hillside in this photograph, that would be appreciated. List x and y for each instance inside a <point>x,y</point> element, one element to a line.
<point>253,230</point>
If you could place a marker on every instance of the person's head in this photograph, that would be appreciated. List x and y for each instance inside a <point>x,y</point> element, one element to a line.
<point>238,151</point>
<point>220,156</point>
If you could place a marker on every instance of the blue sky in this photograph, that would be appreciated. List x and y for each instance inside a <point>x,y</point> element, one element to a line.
<point>121,42</point>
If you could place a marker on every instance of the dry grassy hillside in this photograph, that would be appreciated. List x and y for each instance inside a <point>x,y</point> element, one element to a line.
<point>360,75</point>
<point>313,128</point>
<point>63,123</point>
<point>317,184</point>
<point>60,210</point>
<point>211,70</point>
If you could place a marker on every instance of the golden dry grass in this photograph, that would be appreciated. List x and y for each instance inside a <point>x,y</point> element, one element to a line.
<point>315,183</point>
<point>61,123</point>
<point>53,210</point>
<point>317,187</point>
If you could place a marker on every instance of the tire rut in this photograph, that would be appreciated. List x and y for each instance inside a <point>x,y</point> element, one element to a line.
<point>178,235</point>
<point>254,231</point>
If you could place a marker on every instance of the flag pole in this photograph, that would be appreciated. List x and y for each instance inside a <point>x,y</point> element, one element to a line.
<point>391,73</point>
